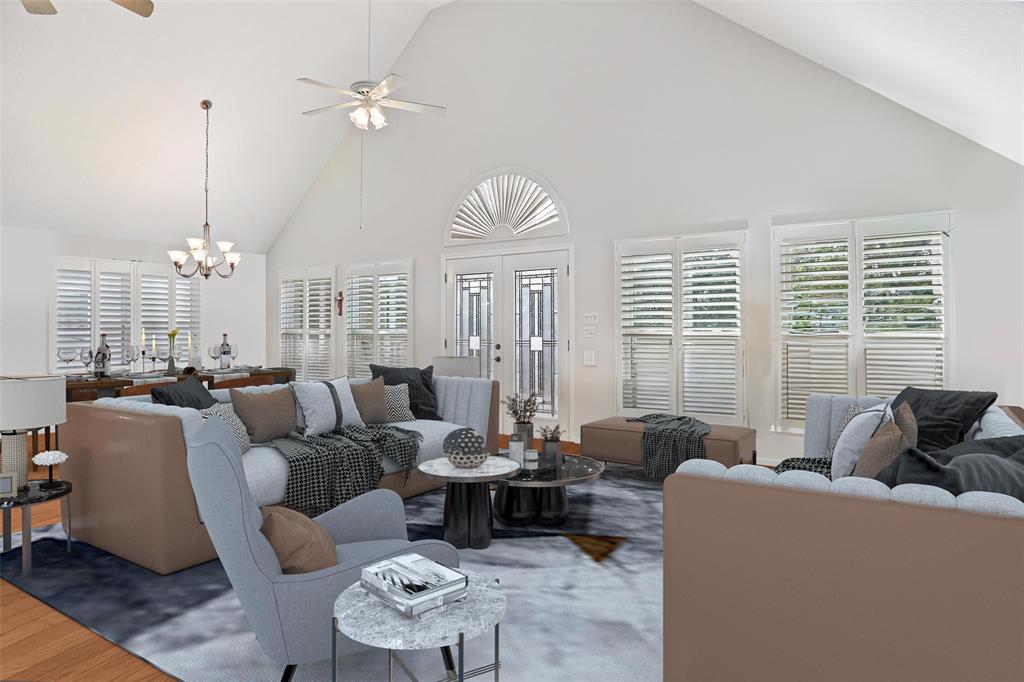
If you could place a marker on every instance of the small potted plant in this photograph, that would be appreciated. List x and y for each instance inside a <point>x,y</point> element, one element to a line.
<point>522,409</point>
<point>552,436</point>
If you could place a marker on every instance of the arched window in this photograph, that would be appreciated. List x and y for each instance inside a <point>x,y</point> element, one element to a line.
<point>504,205</point>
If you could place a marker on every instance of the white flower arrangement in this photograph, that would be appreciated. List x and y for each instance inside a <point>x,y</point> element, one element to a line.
<point>49,458</point>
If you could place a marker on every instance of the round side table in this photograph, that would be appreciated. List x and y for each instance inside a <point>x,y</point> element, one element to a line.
<point>467,501</point>
<point>24,500</point>
<point>538,496</point>
<point>362,617</point>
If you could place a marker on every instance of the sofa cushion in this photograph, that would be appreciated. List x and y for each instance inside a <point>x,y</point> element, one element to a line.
<point>300,544</point>
<point>267,415</point>
<point>187,393</point>
<point>422,399</point>
<point>266,472</point>
<point>943,417</point>
<point>347,404</point>
<point>983,472</point>
<point>882,450</point>
<point>316,412</point>
<point>994,423</point>
<point>904,418</point>
<point>371,401</point>
<point>238,429</point>
<point>397,400</point>
<point>433,432</point>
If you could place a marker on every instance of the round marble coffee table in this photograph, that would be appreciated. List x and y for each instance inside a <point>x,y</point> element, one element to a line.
<point>362,617</point>
<point>467,502</point>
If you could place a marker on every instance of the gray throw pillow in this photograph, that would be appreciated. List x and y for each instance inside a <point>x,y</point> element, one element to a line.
<point>397,398</point>
<point>238,430</point>
<point>855,436</point>
<point>349,411</point>
<point>316,414</point>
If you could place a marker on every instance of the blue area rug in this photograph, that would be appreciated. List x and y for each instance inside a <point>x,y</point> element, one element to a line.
<point>584,599</point>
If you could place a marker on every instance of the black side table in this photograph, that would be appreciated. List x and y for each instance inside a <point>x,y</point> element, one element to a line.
<point>467,502</point>
<point>538,496</point>
<point>25,498</point>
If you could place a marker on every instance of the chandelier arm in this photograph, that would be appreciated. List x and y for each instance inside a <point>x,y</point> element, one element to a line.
<point>191,274</point>
<point>221,274</point>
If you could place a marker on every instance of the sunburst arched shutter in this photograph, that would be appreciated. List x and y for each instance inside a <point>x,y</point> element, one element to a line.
<point>504,206</point>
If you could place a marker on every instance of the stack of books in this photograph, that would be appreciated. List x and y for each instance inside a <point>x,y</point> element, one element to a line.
<point>414,585</point>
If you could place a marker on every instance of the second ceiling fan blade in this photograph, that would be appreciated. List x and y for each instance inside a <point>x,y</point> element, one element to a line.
<point>413,106</point>
<point>343,105</point>
<point>387,86</point>
<point>321,84</point>
<point>39,6</point>
<point>141,7</point>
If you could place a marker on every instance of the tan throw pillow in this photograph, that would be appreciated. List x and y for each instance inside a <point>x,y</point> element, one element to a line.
<point>881,451</point>
<point>300,544</point>
<point>371,401</point>
<point>904,418</point>
<point>266,415</point>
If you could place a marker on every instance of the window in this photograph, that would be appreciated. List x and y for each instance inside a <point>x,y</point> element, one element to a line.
<point>120,299</point>
<point>861,308</point>
<point>508,204</point>
<point>377,302</point>
<point>307,323</point>
<point>680,326</point>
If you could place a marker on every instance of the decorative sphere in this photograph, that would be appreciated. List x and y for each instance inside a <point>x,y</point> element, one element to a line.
<point>465,448</point>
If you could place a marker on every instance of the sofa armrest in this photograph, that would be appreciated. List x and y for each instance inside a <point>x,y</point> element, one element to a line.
<point>376,515</point>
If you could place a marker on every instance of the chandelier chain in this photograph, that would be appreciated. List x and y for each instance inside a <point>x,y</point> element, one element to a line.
<point>206,175</point>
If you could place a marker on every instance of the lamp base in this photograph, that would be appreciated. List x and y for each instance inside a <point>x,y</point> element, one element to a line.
<point>15,456</point>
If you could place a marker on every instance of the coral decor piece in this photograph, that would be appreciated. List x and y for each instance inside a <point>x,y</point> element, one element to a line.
<point>48,458</point>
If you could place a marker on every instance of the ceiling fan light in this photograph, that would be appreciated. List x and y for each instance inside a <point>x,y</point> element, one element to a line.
<point>194,243</point>
<point>225,246</point>
<point>377,117</point>
<point>177,257</point>
<point>361,118</point>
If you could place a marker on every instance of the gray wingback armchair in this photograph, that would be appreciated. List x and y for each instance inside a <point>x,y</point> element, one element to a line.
<point>291,614</point>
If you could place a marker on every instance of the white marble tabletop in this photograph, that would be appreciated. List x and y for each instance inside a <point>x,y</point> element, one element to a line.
<point>366,619</point>
<point>493,469</point>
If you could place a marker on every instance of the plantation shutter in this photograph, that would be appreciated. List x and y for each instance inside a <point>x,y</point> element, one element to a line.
<point>155,309</point>
<point>73,311</point>
<point>319,316</point>
<point>814,300</point>
<point>359,324</point>
<point>393,319</point>
<point>711,347</point>
<point>293,323</point>
<point>646,304</point>
<point>115,310</point>
<point>187,317</point>
<point>903,312</point>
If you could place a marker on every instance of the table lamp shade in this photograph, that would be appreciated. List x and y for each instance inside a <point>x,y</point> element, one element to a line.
<point>31,402</point>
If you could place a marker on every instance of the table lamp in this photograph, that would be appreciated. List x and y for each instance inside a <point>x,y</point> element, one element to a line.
<point>28,402</point>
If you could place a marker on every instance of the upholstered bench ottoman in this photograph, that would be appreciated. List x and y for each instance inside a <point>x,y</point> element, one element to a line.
<point>616,440</point>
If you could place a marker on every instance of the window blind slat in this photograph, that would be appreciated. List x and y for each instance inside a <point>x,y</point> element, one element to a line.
<point>115,315</point>
<point>73,328</point>
<point>646,320</point>
<point>155,309</point>
<point>811,365</point>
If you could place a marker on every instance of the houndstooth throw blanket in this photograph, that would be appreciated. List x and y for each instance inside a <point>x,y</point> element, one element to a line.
<point>668,441</point>
<point>325,471</point>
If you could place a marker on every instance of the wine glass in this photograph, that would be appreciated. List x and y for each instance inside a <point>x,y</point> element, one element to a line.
<point>66,355</point>
<point>134,353</point>
<point>162,355</point>
<point>234,353</point>
<point>214,353</point>
<point>85,355</point>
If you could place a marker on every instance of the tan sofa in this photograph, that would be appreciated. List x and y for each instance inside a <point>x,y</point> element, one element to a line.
<point>132,493</point>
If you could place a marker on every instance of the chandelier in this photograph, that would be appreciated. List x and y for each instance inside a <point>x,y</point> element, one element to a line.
<point>207,261</point>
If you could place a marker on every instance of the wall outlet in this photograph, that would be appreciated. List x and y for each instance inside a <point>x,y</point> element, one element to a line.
<point>589,331</point>
<point>590,318</point>
<point>590,358</point>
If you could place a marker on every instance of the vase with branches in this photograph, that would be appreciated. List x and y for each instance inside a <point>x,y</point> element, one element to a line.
<point>522,409</point>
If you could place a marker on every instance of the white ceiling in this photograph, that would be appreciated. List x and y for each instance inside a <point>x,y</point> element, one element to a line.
<point>960,64</point>
<point>102,130</point>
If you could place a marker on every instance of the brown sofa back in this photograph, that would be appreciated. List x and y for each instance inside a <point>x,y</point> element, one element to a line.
<point>770,583</point>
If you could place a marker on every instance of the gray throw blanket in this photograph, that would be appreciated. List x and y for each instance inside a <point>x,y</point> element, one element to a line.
<point>325,471</point>
<point>668,441</point>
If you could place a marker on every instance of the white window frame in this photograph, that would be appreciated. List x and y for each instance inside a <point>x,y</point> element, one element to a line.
<point>306,274</point>
<point>677,245</point>
<point>375,270</point>
<point>854,231</point>
<point>134,269</point>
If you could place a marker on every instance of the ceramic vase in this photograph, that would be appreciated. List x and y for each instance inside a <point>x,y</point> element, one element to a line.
<point>524,429</point>
<point>553,452</point>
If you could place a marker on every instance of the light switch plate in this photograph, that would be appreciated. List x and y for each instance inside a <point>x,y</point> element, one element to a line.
<point>590,358</point>
<point>589,331</point>
<point>590,318</point>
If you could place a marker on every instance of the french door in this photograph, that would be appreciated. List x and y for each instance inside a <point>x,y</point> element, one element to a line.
<point>512,312</point>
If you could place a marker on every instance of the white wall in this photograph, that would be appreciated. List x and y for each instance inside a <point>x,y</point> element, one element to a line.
<point>660,119</point>
<point>27,268</point>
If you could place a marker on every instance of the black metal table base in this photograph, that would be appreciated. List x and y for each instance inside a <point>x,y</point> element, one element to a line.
<point>467,515</point>
<point>519,506</point>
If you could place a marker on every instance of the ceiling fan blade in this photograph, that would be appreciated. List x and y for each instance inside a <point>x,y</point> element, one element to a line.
<point>413,106</point>
<point>39,6</point>
<point>343,105</point>
<point>321,84</point>
<point>387,86</point>
<point>141,7</point>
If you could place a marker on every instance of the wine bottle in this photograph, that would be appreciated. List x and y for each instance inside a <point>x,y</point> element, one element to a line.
<point>101,360</point>
<point>225,353</point>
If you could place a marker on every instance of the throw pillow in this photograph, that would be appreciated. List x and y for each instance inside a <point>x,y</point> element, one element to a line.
<point>851,412</point>
<point>904,418</point>
<point>855,436</point>
<point>422,400</point>
<point>882,450</point>
<point>187,393</point>
<point>300,544</point>
<point>238,429</point>
<point>317,413</point>
<point>979,471</point>
<point>397,398</point>
<point>943,417</point>
<point>371,401</point>
<point>346,404</point>
<point>266,415</point>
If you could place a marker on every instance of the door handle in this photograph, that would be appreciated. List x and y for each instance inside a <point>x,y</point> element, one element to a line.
<point>497,358</point>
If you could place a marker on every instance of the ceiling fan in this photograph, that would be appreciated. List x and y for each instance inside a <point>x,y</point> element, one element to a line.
<point>368,98</point>
<point>141,7</point>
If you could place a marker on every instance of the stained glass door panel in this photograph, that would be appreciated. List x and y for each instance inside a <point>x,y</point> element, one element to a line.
<point>474,318</point>
<point>536,336</point>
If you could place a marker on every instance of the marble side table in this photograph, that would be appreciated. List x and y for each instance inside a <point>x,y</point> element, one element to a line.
<point>30,495</point>
<point>362,617</point>
<point>467,502</point>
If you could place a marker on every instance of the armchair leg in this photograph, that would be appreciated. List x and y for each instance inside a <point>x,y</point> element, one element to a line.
<point>449,663</point>
<point>289,670</point>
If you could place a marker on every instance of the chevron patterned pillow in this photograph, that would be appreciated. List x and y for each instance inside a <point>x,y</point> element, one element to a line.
<point>397,399</point>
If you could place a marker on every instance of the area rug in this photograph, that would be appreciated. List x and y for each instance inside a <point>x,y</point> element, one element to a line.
<point>584,600</point>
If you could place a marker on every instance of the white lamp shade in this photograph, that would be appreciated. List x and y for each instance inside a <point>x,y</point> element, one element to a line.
<point>233,258</point>
<point>31,402</point>
<point>225,246</point>
<point>194,243</point>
